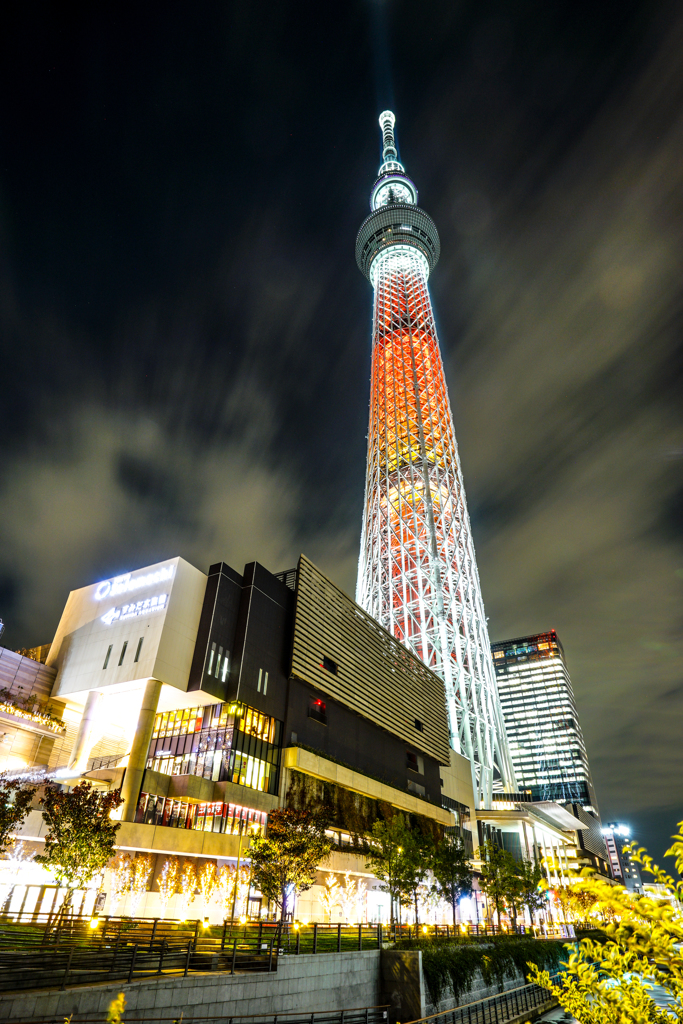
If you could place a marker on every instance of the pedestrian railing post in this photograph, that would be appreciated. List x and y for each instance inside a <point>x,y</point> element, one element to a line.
<point>154,931</point>
<point>161,955</point>
<point>270,955</point>
<point>132,963</point>
<point>187,959</point>
<point>298,942</point>
<point>315,937</point>
<point>360,936</point>
<point>234,956</point>
<point>339,937</point>
<point>225,928</point>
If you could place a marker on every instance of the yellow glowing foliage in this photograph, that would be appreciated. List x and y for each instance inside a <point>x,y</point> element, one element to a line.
<point>609,982</point>
<point>167,882</point>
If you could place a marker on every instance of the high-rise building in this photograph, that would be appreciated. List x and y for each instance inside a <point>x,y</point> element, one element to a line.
<point>212,699</point>
<point>417,572</point>
<point>542,723</point>
<point>624,868</point>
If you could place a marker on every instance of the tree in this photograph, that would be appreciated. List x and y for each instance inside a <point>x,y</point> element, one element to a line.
<point>497,872</point>
<point>415,858</point>
<point>142,869</point>
<point>188,884</point>
<point>167,883</point>
<point>120,871</point>
<point>80,836</point>
<point>207,879</point>
<point>284,862</point>
<point>530,889</point>
<point>452,871</point>
<point>388,839</point>
<point>331,895</point>
<point>610,982</point>
<point>15,803</point>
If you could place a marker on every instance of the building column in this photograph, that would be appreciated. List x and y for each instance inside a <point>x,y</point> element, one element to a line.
<point>137,759</point>
<point>86,733</point>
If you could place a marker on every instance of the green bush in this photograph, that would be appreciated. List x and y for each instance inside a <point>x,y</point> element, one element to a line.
<point>453,966</point>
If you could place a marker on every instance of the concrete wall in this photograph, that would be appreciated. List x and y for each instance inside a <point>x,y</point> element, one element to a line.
<point>404,989</point>
<point>478,991</point>
<point>301,983</point>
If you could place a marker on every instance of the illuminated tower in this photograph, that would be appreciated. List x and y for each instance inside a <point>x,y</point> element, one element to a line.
<point>417,572</point>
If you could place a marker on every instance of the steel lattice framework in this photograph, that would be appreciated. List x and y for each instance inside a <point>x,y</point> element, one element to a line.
<point>417,570</point>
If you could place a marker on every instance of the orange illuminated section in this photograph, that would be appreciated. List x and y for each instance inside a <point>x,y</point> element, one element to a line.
<point>417,572</point>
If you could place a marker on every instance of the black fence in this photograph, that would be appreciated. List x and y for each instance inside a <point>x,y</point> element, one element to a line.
<point>57,968</point>
<point>81,951</point>
<point>103,932</point>
<point>363,1015</point>
<point>496,1009</point>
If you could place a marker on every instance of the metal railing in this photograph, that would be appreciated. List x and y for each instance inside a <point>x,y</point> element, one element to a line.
<point>394,932</point>
<point>358,1015</point>
<point>494,1009</point>
<point>329,938</point>
<point>59,968</point>
<point>73,952</point>
<point>112,761</point>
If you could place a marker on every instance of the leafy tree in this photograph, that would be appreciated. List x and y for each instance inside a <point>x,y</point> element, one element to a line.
<point>15,803</point>
<point>523,880</point>
<point>452,871</point>
<point>388,839</point>
<point>610,982</point>
<point>284,861</point>
<point>530,888</point>
<point>80,836</point>
<point>120,871</point>
<point>575,904</point>
<point>139,879</point>
<point>331,895</point>
<point>415,859</point>
<point>167,883</point>
<point>188,884</point>
<point>497,876</point>
<point>207,880</point>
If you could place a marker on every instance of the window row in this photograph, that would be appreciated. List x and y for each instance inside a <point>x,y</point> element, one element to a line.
<point>228,819</point>
<point>222,766</point>
<point>123,653</point>
<point>187,721</point>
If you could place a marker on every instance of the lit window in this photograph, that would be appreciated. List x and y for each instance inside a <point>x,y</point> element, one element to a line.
<point>317,710</point>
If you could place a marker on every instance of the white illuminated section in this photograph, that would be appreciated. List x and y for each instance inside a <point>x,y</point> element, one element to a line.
<point>398,259</point>
<point>127,583</point>
<point>394,190</point>
<point>131,611</point>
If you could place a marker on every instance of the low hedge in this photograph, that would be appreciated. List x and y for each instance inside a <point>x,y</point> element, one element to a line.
<point>454,966</point>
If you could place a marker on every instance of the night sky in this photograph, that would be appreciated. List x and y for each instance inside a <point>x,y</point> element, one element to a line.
<point>186,337</point>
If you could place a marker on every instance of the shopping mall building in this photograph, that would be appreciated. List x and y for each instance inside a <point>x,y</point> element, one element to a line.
<point>210,700</point>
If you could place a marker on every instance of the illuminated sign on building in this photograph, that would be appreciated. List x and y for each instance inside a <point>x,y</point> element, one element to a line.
<point>126,583</point>
<point>130,611</point>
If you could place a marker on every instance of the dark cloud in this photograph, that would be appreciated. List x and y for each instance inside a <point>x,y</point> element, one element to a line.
<point>185,336</point>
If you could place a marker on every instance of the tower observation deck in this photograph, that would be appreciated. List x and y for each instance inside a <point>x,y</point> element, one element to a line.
<point>417,572</point>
